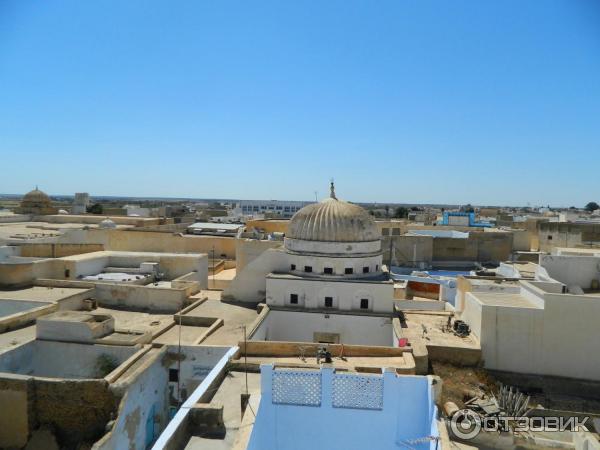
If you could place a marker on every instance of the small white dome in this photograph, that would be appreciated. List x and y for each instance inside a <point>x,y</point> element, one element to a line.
<point>107,223</point>
<point>63,211</point>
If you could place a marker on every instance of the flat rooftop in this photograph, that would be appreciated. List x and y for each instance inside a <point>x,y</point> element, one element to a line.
<point>526,269</point>
<point>234,316</point>
<point>40,293</point>
<point>434,323</point>
<point>117,277</point>
<point>36,230</point>
<point>511,300</point>
<point>15,338</point>
<point>228,395</point>
<point>137,321</point>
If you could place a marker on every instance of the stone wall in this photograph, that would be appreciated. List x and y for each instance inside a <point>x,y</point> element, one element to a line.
<point>555,234</point>
<point>76,410</point>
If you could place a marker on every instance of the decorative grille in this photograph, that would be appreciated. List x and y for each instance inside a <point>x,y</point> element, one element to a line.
<point>296,388</point>
<point>357,391</point>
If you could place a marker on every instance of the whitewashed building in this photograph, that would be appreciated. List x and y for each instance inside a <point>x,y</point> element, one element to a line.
<point>334,261</point>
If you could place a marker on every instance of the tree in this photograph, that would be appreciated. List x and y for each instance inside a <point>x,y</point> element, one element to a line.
<point>96,208</point>
<point>592,206</point>
<point>387,211</point>
<point>468,208</point>
<point>401,213</point>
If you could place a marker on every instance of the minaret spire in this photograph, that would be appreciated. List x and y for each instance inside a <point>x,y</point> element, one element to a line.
<point>332,190</point>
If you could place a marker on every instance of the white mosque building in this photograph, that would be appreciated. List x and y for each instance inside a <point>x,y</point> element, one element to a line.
<point>331,259</point>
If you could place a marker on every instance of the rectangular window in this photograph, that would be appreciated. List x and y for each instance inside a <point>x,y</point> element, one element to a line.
<point>549,237</point>
<point>348,271</point>
<point>364,303</point>
<point>307,268</point>
<point>376,267</point>
<point>294,299</point>
<point>328,302</point>
<point>328,270</point>
<point>365,270</point>
<point>67,273</point>
<point>293,267</point>
<point>173,375</point>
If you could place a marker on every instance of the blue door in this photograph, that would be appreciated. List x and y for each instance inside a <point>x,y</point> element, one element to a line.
<point>150,427</point>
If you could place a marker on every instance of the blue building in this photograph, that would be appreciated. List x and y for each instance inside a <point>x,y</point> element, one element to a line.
<point>463,219</point>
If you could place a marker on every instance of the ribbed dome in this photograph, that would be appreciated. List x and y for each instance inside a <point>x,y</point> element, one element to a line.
<point>36,197</point>
<point>333,220</point>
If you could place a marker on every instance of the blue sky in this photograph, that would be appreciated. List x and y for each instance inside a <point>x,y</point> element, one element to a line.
<point>399,101</point>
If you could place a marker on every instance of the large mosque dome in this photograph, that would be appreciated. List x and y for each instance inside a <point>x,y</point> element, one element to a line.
<point>36,198</point>
<point>333,220</point>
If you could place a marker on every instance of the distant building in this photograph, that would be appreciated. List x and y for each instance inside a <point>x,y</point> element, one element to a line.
<point>462,219</point>
<point>36,202</point>
<point>214,229</point>
<point>276,207</point>
<point>80,203</point>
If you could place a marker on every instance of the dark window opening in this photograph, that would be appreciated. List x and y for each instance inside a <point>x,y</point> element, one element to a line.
<point>67,273</point>
<point>365,270</point>
<point>328,270</point>
<point>294,299</point>
<point>549,237</point>
<point>173,375</point>
<point>348,271</point>
<point>328,302</point>
<point>293,267</point>
<point>364,303</point>
<point>307,268</point>
<point>376,267</point>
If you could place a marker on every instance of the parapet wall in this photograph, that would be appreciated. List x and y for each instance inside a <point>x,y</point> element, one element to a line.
<point>57,250</point>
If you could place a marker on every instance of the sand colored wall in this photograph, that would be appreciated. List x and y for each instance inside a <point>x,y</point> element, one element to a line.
<point>149,241</point>
<point>95,219</point>
<point>407,250</point>
<point>555,234</point>
<point>268,226</point>
<point>57,250</point>
<point>77,410</point>
<point>247,250</point>
<point>14,420</point>
<point>250,284</point>
<point>479,246</point>
<point>142,298</point>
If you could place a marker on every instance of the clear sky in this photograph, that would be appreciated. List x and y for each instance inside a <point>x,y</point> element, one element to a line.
<point>400,101</point>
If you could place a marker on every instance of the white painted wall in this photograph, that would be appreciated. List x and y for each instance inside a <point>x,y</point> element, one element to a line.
<point>249,285</point>
<point>558,338</point>
<point>60,359</point>
<point>294,326</point>
<point>572,270</point>
<point>149,389</point>
<point>346,294</point>
<point>144,395</point>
